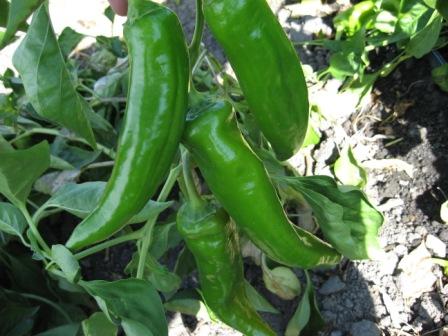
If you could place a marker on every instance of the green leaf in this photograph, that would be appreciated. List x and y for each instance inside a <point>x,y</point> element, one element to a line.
<point>67,262</point>
<point>81,199</point>
<point>156,273</point>
<point>188,302</point>
<point>68,40</point>
<point>99,325</point>
<point>46,79</point>
<point>75,156</point>
<point>442,7</point>
<point>385,22</point>
<point>312,136</point>
<point>258,301</point>
<point>109,13</point>
<point>166,237</point>
<point>134,328</point>
<point>11,220</point>
<point>346,217</point>
<point>65,330</point>
<point>444,212</point>
<point>4,9</point>
<point>19,11</point>
<point>348,170</point>
<point>440,76</point>
<point>306,320</point>
<point>19,169</point>
<point>424,40</point>
<point>130,302</point>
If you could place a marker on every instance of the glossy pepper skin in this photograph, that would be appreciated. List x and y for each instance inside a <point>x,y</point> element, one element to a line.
<point>239,181</point>
<point>154,120</point>
<point>213,241</point>
<point>267,67</point>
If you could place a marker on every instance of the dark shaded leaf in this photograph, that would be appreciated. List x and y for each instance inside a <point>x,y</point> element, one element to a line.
<point>133,303</point>
<point>99,325</point>
<point>306,320</point>
<point>65,330</point>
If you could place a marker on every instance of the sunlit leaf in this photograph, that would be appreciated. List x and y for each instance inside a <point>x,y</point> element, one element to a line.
<point>348,170</point>
<point>345,216</point>
<point>46,79</point>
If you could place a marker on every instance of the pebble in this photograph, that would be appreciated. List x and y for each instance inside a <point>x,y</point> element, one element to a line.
<point>436,246</point>
<point>336,333</point>
<point>365,328</point>
<point>401,250</point>
<point>332,285</point>
<point>443,235</point>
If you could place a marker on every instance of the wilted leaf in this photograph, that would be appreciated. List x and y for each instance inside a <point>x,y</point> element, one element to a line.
<point>416,277</point>
<point>46,79</point>
<point>131,301</point>
<point>281,281</point>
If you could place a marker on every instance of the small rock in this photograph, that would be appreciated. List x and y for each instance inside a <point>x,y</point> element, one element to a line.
<point>283,16</point>
<point>443,235</point>
<point>336,333</point>
<point>365,328</point>
<point>414,239</point>
<point>389,263</point>
<point>436,246</point>
<point>332,285</point>
<point>430,309</point>
<point>401,250</point>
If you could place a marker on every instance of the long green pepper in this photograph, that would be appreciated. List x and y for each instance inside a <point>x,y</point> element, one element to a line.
<point>239,181</point>
<point>154,121</point>
<point>212,239</point>
<point>267,67</point>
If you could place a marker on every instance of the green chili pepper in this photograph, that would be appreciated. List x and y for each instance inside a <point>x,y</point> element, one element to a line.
<point>267,67</point>
<point>239,181</point>
<point>212,239</point>
<point>154,121</point>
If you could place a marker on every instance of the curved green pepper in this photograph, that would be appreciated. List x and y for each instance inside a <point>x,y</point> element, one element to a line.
<point>267,67</point>
<point>154,121</point>
<point>213,241</point>
<point>239,181</point>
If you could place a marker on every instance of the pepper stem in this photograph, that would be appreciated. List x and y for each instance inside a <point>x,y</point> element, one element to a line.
<point>151,222</point>
<point>197,35</point>
<point>192,193</point>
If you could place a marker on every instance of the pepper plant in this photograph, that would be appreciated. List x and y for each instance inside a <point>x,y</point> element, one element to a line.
<point>196,163</point>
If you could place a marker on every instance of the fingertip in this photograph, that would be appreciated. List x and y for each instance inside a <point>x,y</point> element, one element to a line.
<point>120,7</point>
